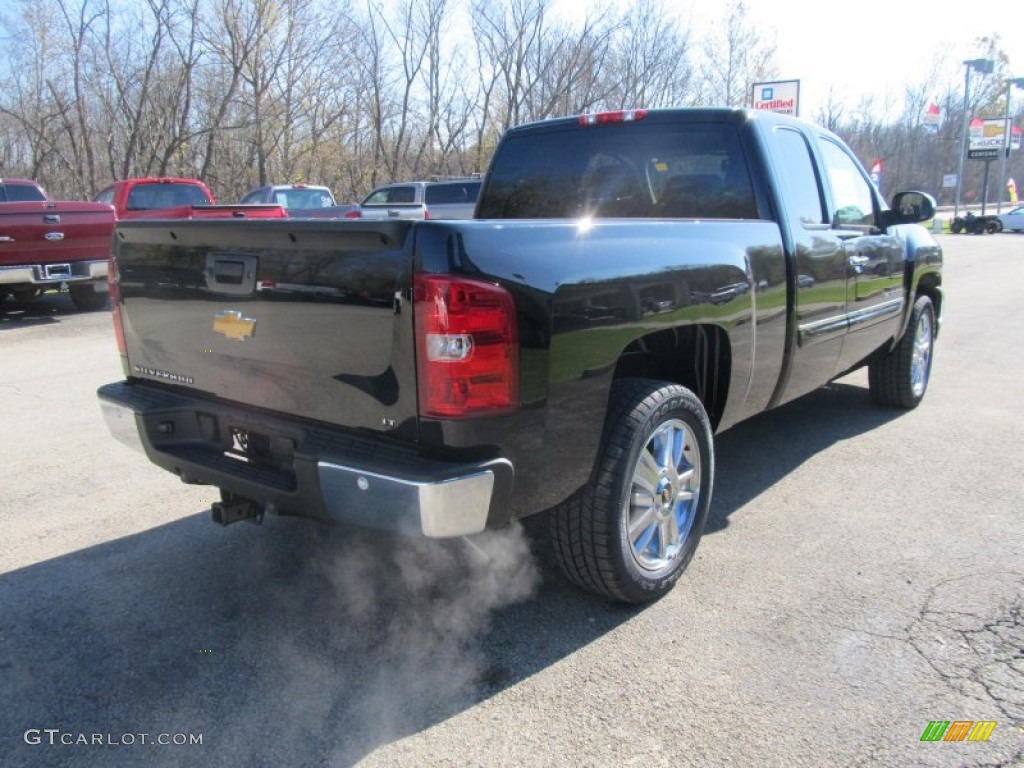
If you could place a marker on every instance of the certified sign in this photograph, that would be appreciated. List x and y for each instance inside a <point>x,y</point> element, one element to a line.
<point>781,96</point>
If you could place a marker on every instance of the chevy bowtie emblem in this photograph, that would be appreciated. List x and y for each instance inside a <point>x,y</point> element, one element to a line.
<point>233,325</point>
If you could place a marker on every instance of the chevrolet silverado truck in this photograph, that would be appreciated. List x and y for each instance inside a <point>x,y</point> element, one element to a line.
<point>48,244</point>
<point>632,282</point>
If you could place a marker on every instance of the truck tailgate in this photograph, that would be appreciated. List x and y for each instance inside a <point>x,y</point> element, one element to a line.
<point>306,318</point>
<point>54,232</point>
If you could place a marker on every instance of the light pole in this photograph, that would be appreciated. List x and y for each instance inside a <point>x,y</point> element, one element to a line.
<point>1008,127</point>
<point>985,67</point>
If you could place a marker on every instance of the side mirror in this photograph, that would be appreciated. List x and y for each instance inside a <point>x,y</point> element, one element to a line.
<point>910,208</point>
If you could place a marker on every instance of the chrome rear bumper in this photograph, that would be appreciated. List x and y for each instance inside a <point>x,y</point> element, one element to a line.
<point>333,475</point>
<point>54,274</point>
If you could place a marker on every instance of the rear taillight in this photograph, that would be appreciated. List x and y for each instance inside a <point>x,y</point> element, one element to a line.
<point>426,213</point>
<point>115,303</point>
<point>467,347</point>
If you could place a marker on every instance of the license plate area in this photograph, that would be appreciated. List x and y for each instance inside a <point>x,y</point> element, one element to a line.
<point>260,450</point>
<point>56,271</point>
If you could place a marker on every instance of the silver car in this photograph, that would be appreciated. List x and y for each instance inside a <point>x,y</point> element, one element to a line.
<point>1013,220</point>
<point>448,199</point>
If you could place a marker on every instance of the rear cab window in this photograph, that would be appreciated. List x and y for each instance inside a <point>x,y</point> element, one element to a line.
<point>639,170</point>
<point>21,193</point>
<point>303,198</point>
<point>143,197</point>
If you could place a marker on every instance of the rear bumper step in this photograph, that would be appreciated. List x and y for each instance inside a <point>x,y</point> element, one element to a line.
<point>54,274</point>
<point>305,469</point>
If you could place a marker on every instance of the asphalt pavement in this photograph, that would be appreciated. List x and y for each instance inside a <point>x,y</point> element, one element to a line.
<point>862,576</point>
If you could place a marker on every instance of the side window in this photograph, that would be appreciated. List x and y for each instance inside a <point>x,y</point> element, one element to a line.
<point>379,197</point>
<point>797,177</point>
<point>851,192</point>
<point>402,195</point>
<point>447,193</point>
<point>252,197</point>
<point>106,196</point>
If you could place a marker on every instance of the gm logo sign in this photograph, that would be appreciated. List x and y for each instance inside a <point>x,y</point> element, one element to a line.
<point>959,730</point>
<point>767,94</point>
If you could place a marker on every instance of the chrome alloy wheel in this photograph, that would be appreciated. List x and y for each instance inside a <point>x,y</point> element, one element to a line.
<point>664,495</point>
<point>921,360</point>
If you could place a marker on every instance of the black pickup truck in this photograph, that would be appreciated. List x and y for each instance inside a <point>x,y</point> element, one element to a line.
<point>632,282</point>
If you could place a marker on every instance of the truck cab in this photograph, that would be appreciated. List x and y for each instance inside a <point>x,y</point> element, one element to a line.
<point>177,198</point>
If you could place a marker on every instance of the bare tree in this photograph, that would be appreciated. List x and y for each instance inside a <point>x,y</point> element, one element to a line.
<point>651,64</point>
<point>736,55</point>
<point>239,92</point>
<point>26,102</point>
<point>510,36</point>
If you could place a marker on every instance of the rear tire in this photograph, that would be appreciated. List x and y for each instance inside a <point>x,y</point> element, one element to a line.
<point>86,298</point>
<point>630,534</point>
<point>900,379</point>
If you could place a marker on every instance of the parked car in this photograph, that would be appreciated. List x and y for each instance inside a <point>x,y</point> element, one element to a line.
<point>448,199</point>
<point>303,201</point>
<point>291,196</point>
<point>48,244</point>
<point>175,198</point>
<point>1013,220</point>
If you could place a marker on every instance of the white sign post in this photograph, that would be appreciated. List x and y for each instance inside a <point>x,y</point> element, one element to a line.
<point>781,96</point>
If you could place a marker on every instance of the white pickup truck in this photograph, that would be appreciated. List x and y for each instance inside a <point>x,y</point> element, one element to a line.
<point>448,199</point>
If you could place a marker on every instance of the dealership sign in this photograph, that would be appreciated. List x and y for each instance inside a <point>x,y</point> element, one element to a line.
<point>781,96</point>
<point>987,138</point>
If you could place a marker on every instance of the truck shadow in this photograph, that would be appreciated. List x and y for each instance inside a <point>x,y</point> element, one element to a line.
<point>300,645</point>
<point>45,310</point>
<point>755,454</point>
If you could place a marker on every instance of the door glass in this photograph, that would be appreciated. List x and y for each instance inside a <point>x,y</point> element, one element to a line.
<point>797,177</point>
<point>851,192</point>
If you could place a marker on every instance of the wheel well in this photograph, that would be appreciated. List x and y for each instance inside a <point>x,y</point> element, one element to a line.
<point>929,286</point>
<point>696,356</point>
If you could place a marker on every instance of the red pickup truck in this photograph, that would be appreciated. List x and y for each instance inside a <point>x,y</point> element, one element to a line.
<point>175,198</point>
<point>48,244</point>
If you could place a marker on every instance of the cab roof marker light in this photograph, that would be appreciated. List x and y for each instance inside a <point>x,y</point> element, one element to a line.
<point>620,116</point>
